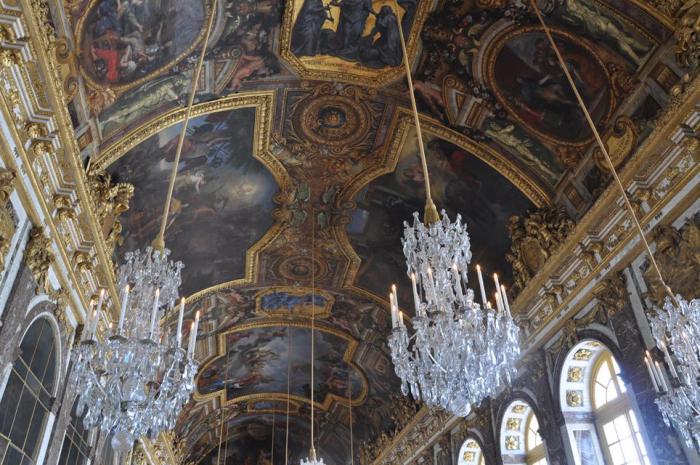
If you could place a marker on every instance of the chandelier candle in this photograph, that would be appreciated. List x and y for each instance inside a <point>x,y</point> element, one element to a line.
<point>180,316</point>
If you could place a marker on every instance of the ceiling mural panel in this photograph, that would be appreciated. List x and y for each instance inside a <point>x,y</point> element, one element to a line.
<point>136,68</point>
<point>528,81</point>
<point>123,43</point>
<point>352,40</point>
<point>223,199</point>
<point>461,183</point>
<point>256,358</point>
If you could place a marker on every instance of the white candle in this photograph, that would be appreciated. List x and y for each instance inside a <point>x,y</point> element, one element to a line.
<point>506,304</point>
<point>154,313</point>
<point>661,377</point>
<point>190,345</point>
<point>100,301</point>
<point>391,309</point>
<point>651,373</point>
<point>499,305</point>
<point>495,280</point>
<point>193,335</point>
<point>669,360</point>
<point>401,319</point>
<point>481,285</point>
<point>416,300</point>
<point>88,320</point>
<point>179,322</point>
<point>122,313</point>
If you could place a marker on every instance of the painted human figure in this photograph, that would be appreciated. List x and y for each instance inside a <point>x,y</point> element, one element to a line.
<point>386,50</point>
<point>307,28</point>
<point>351,25</point>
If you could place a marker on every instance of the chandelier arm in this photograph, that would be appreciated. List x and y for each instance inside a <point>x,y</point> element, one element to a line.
<point>603,149</point>
<point>159,242</point>
<point>431,214</point>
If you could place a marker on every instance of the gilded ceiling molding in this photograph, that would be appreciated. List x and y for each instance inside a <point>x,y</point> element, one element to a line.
<point>305,323</point>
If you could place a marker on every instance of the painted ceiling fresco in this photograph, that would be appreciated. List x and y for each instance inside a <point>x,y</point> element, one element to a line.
<point>301,124</point>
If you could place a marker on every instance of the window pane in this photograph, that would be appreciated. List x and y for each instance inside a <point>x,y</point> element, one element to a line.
<point>622,427</point>
<point>610,434</point>
<point>25,401</point>
<point>616,454</point>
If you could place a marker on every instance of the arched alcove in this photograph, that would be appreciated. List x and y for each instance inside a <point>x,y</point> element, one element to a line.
<point>520,439</point>
<point>599,412</point>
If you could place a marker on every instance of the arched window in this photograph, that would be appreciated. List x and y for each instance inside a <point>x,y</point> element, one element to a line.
<point>598,409</point>
<point>25,403</point>
<point>521,442</point>
<point>76,448</point>
<point>471,454</point>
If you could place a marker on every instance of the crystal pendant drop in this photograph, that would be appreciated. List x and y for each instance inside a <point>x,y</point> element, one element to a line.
<point>135,382</point>
<point>459,352</point>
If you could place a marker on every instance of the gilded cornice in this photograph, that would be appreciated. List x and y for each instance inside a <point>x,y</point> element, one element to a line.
<point>52,155</point>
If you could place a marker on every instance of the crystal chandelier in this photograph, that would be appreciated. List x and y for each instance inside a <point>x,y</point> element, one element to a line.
<point>676,327</point>
<point>135,381</point>
<point>312,459</point>
<point>460,352</point>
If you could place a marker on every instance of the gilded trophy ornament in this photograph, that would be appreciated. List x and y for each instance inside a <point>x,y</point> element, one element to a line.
<point>535,238</point>
<point>110,200</point>
<point>688,35</point>
<point>678,255</point>
<point>39,257</point>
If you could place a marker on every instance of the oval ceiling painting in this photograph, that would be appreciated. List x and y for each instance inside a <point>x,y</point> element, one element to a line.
<point>124,41</point>
<point>525,74</point>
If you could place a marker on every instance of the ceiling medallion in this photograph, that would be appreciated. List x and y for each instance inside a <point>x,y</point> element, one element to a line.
<point>460,352</point>
<point>135,382</point>
<point>676,327</point>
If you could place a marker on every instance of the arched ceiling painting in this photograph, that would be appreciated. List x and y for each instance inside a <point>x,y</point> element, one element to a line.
<point>301,123</point>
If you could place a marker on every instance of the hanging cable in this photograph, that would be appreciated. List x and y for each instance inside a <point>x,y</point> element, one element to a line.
<point>431,214</point>
<point>159,242</point>
<point>603,149</point>
<point>221,437</point>
<point>313,325</point>
<point>352,449</point>
<point>272,446</point>
<point>289,369</point>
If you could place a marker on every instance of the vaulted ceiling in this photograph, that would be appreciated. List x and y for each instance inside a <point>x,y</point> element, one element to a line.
<point>301,124</point>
